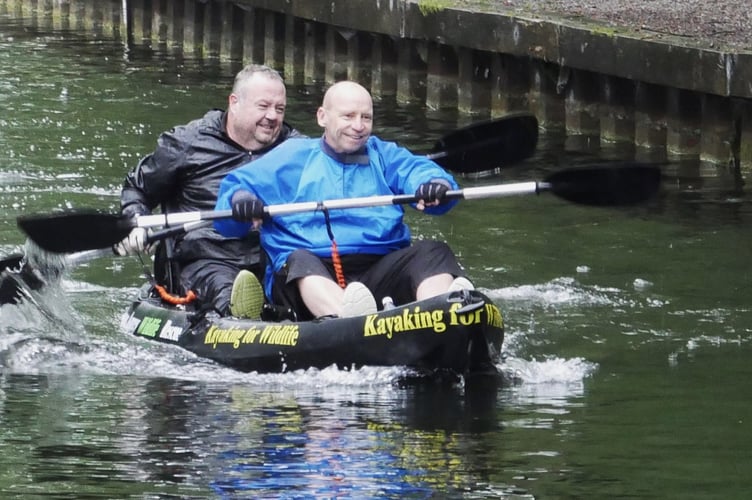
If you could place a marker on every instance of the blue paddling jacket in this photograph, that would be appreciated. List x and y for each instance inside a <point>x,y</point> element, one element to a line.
<point>306,170</point>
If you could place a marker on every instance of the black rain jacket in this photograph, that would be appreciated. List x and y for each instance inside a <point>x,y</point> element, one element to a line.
<point>183,174</point>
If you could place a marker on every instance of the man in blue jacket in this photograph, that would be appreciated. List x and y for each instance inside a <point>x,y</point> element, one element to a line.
<point>305,271</point>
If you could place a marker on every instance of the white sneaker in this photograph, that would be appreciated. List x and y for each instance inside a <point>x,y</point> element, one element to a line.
<point>358,301</point>
<point>460,283</point>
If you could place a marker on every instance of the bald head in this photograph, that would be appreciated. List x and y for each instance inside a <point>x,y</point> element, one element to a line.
<point>346,114</point>
<point>346,91</point>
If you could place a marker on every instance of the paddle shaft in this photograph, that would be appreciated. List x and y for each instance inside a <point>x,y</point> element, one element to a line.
<point>624,184</point>
<point>344,203</point>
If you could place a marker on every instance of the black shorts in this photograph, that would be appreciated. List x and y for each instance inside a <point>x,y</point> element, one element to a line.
<point>396,274</point>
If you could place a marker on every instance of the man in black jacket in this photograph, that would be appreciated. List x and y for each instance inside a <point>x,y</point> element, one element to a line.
<point>183,174</point>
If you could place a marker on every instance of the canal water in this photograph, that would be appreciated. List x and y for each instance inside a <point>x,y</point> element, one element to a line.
<point>626,360</point>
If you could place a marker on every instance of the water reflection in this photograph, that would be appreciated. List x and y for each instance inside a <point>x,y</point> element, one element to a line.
<point>164,436</point>
<point>368,444</point>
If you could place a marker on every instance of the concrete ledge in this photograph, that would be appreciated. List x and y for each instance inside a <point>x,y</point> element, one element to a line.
<point>590,47</point>
<point>647,61</point>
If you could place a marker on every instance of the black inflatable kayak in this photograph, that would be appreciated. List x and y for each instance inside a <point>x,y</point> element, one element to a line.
<point>459,331</point>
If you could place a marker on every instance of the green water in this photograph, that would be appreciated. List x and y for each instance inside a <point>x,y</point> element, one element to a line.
<point>628,330</point>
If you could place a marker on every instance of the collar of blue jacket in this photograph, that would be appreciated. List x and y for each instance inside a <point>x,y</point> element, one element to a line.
<point>356,158</point>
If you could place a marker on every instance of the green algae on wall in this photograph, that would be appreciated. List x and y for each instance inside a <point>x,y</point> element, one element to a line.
<point>430,6</point>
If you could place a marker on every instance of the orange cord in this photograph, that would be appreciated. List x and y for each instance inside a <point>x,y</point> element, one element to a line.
<point>172,299</point>
<point>337,262</point>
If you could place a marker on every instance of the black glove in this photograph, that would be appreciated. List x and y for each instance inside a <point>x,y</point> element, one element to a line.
<point>432,191</point>
<point>246,207</point>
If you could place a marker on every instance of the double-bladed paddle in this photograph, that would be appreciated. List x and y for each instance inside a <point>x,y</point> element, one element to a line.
<point>606,185</point>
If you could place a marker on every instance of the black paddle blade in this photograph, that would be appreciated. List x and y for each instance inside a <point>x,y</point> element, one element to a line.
<point>488,145</point>
<point>17,278</point>
<point>75,231</point>
<point>11,291</point>
<point>614,185</point>
<point>12,262</point>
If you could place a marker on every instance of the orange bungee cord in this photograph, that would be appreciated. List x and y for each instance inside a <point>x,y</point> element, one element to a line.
<point>174,299</point>
<point>162,291</point>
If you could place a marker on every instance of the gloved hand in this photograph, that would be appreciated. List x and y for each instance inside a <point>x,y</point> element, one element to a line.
<point>432,192</point>
<point>133,243</point>
<point>246,207</point>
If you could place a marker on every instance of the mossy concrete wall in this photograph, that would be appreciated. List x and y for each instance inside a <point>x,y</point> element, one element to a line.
<point>672,99</point>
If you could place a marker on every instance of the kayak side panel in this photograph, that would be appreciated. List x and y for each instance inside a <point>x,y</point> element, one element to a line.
<point>437,333</point>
